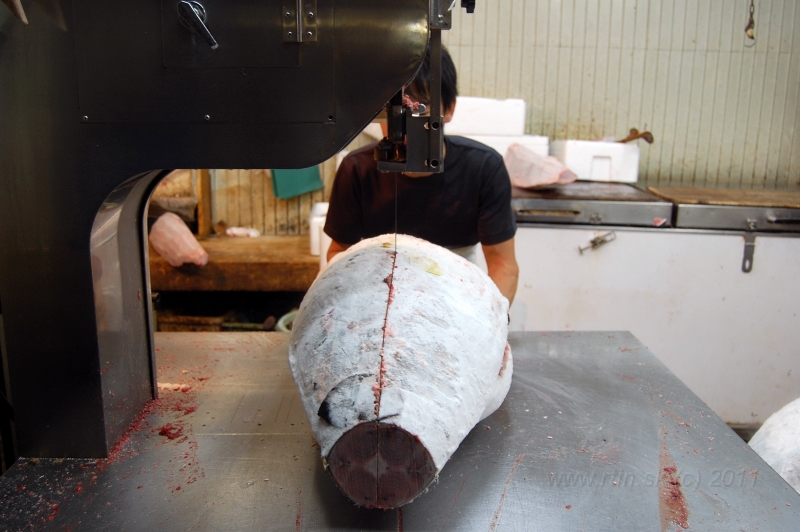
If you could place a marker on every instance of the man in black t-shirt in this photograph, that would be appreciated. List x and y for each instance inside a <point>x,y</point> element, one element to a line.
<point>468,203</point>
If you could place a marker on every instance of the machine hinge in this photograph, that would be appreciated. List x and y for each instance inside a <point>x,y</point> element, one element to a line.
<point>299,20</point>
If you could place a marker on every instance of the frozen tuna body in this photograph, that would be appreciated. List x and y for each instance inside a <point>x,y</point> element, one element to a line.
<point>397,357</point>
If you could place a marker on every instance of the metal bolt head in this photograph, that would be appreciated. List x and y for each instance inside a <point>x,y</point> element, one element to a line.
<point>289,34</point>
<point>85,118</point>
<point>310,14</point>
<point>288,14</point>
<point>309,34</point>
<point>207,117</point>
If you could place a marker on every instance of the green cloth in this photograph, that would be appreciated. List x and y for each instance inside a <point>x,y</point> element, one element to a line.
<point>291,183</point>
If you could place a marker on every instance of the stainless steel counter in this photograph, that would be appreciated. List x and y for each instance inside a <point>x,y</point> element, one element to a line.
<point>595,434</point>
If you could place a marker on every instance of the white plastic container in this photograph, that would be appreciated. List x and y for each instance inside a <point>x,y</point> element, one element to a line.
<point>316,221</point>
<point>597,160</point>
<point>487,116</point>
<point>500,143</point>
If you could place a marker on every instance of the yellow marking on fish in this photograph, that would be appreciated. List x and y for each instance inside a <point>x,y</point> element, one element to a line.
<point>386,245</point>
<point>426,263</point>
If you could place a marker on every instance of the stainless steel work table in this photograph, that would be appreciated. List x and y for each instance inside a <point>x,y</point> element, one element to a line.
<point>595,434</point>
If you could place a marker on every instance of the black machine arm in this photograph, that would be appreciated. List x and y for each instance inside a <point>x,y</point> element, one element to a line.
<point>415,143</point>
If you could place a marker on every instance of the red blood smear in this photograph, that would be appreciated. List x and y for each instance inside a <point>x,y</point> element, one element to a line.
<point>171,431</point>
<point>672,503</point>
<point>185,409</point>
<point>135,426</point>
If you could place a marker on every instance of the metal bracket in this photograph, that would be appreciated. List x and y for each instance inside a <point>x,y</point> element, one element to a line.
<point>749,245</point>
<point>598,241</point>
<point>299,19</point>
<point>749,251</point>
<point>441,14</point>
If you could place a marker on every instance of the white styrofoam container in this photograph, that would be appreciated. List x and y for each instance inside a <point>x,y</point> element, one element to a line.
<point>315,222</point>
<point>597,160</point>
<point>487,116</point>
<point>537,144</point>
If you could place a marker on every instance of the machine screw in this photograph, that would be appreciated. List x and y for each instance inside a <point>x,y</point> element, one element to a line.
<point>310,14</point>
<point>309,34</point>
<point>85,118</point>
<point>289,34</point>
<point>207,117</point>
<point>288,14</point>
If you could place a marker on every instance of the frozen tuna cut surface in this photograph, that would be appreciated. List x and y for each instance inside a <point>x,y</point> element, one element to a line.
<point>397,355</point>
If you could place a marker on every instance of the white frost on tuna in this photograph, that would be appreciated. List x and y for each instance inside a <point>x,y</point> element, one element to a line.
<point>417,340</point>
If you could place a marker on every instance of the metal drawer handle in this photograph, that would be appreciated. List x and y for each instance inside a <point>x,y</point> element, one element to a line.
<point>546,212</point>
<point>778,220</point>
<point>598,241</point>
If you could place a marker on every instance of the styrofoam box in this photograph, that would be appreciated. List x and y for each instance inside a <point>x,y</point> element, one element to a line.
<point>487,116</point>
<point>597,160</point>
<point>537,144</point>
<point>316,221</point>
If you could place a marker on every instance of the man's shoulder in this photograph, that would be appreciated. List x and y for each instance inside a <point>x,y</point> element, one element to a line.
<point>472,147</point>
<point>359,162</point>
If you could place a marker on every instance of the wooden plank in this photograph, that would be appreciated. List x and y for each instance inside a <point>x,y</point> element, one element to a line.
<point>245,198</point>
<point>305,212</point>
<point>232,179</point>
<point>257,183</point>
<point>265,263</point>
<point>731,197</point>
<point>218,203</point>
<point>205,216</point>
<point>270,215</point>
<point>293,216</point>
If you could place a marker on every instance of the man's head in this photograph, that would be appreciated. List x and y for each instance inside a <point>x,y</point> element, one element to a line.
<point>420,86</point>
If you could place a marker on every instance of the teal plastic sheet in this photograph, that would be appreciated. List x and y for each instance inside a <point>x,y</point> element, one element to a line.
<point>288,184</point>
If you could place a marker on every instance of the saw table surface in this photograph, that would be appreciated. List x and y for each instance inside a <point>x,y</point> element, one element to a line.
<point>595,434</point>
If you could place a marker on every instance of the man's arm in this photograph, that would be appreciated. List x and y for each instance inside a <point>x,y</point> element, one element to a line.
<point>336,248</point>
<point>503,268</point>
